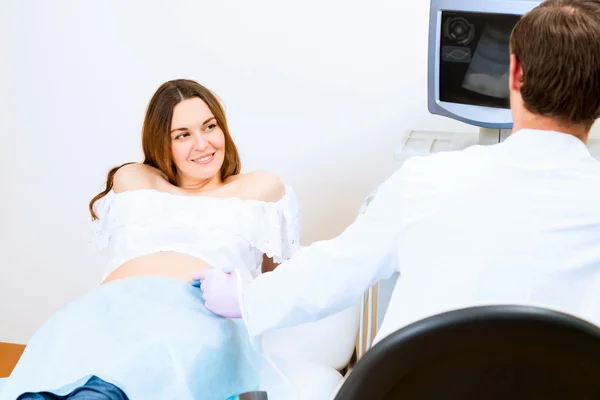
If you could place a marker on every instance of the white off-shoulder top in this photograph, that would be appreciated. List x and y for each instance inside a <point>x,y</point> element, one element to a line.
<point>226,233</point>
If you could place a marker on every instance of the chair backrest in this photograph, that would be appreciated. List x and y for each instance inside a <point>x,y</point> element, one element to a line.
<point>486,352</point>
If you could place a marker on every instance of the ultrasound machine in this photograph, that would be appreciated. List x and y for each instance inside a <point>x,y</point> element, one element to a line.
<point>467,75</point>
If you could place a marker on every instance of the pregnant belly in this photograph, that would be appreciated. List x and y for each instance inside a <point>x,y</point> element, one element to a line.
<point>169,264</point>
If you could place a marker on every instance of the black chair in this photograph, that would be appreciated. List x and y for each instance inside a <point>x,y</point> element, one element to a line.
<point>487,353</point>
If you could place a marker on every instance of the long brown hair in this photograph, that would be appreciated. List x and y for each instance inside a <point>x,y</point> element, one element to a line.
<point>156,141</point>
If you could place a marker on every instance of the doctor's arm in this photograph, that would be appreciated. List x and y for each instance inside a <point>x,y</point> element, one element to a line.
<point>332,275</point>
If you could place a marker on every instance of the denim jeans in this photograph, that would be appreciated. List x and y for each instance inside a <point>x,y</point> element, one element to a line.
<point>94,389</point>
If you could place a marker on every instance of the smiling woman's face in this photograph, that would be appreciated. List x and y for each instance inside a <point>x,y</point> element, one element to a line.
<point>197,142</point>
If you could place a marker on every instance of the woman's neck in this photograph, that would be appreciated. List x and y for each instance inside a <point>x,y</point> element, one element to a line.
<point>202,185</point>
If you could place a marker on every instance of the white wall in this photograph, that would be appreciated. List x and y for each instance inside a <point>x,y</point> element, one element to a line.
<point>318,92</point>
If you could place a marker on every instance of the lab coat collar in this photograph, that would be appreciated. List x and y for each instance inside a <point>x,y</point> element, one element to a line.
<point>533,146</point>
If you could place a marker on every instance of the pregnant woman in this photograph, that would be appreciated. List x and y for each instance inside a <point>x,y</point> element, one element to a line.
<point>144,333</point>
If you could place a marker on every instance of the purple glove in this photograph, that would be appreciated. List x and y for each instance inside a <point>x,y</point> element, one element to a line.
<point>221,291</point>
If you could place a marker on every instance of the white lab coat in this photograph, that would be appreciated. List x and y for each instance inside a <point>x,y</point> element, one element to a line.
<point>513,223</point>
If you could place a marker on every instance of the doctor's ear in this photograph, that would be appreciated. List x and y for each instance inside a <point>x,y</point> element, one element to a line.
<point>515,74</point>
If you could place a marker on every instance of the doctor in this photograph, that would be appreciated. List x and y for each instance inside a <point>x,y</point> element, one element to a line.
<point>516,222</point>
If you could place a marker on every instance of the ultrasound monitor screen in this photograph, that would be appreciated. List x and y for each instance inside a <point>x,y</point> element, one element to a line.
<point>475,58</point>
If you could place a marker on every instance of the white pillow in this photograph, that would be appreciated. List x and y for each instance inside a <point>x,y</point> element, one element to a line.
<point>328,342</point>
<point>308,381</point>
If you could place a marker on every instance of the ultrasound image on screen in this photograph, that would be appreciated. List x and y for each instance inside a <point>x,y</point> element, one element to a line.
<point>475,58</point>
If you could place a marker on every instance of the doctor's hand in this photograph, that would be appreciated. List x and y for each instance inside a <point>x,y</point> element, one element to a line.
<point>221,291</point>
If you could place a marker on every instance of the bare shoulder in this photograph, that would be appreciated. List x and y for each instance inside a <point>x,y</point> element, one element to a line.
<point>135,176</point>
<point>262,185</point>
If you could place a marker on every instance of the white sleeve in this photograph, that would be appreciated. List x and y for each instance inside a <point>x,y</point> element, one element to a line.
<point>273,228</point>
<point>331,275</point>
<point>101,228</point>
<point>277,234</point>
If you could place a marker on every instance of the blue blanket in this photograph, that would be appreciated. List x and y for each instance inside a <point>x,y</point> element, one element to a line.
<point>150,336</point>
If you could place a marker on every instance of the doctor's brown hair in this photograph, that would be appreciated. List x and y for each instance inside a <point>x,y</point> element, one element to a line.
<point>156,140</point>
<point>558,46</point>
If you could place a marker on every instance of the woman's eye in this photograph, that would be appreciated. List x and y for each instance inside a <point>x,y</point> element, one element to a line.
<point>211,127</point>
<point>181,136</point>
